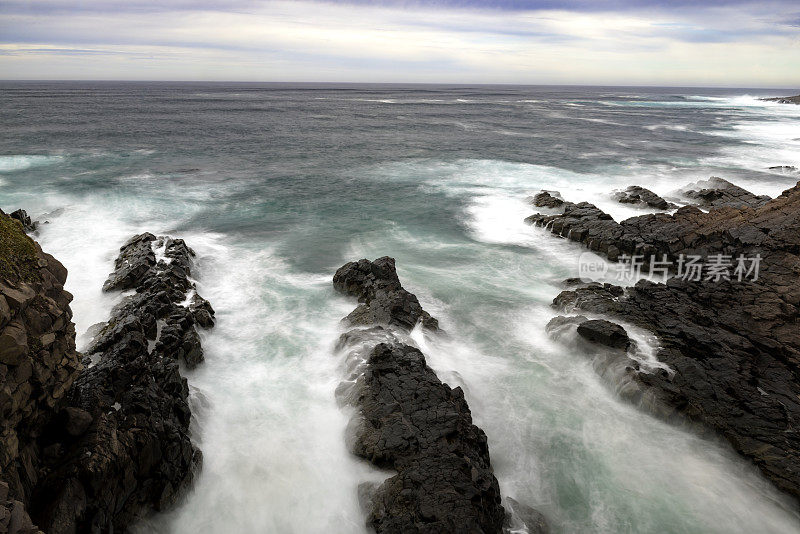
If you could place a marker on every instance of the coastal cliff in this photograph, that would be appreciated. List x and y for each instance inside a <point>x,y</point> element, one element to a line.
<point>94,442</point>
<point>38,364</point>
<point>732,344</point>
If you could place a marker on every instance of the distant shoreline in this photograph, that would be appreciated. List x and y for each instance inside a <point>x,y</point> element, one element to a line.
<point>784,99</point>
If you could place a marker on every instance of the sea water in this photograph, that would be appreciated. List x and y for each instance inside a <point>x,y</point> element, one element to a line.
<point>276,186</point>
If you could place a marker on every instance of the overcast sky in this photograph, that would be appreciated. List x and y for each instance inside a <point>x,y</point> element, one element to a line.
<point>618,42</point>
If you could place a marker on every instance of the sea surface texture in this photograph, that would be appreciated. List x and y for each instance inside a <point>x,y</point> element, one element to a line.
<point>276,186</point>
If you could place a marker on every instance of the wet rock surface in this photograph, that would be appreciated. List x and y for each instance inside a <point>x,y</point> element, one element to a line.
<point>638,195</point>
<point>605,333</point>
<point>734,346</point>
<point>409,421</point>
<point>93,445</point>
<point>38,364</point>
<point>547,199</point>
<point>717,192</point>
<point>784,99</point>
<point>22,216</point>
<point>382,300</point>
<point>129,451</point>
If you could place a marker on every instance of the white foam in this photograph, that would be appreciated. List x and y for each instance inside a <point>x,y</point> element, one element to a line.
<point>22,162</point>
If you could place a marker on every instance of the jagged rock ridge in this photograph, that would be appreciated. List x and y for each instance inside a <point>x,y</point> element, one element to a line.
<point>734,345</point>
<point>411,422</point>
<point>105,441</point>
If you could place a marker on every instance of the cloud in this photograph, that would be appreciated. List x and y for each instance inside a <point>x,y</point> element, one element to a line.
<point>716,43</point>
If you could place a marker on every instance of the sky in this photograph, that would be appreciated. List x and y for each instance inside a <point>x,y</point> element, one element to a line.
<point>736,43</point>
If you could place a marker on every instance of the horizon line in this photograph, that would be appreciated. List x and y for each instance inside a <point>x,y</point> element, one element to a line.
<point>471,84</point>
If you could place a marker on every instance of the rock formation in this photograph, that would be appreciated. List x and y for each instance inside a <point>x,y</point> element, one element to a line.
<point>734,345</point>
<point>644,197</point>
<point>93,445</point>
<point>409,421</point>
<point>784,99</point>
<point>38,363</point>
<point>717,192</point>
<point>547,199</point>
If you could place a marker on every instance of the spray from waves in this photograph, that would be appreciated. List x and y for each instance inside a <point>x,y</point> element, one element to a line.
<point>22,162</point>
<point>266,416</point>
<point>561,440</point>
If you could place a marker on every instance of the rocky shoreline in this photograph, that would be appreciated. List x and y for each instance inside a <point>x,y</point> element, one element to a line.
<point>95,442</point>
<point>411,422</point>
<point>784,99</point>
<point>732,347</point>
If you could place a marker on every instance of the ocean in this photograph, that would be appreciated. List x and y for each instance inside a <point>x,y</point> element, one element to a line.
<point>277,185</point>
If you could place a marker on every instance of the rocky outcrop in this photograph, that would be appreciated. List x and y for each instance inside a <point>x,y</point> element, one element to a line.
<point>38,362</point>
<point>92,445</point>
<point>783,168</point>
<point>547,199</point>
<point>717,192</point>
<point>784,99</point>
<point>605,333</point>
<point>121,448</point>
<point>640,196</point>
<point>408,420</point>
<point>382,300</point>
<point>733,345</point>
<point>27,224</point>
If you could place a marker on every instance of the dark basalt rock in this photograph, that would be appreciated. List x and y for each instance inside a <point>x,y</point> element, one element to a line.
<point>547,199</point>
<point>783,168</point>
<point>27,224</point>
<point>121,447</point>
<point>641,196</point>
<point>409,421</point>
<point>605,333</point>
<point>38,364</point>
<point>734,346</point>
<point>383,301</point>
<point>717,192</point>
<point>784,99</point>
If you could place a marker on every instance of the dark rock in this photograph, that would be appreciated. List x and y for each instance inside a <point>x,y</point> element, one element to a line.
<point>784,99</point>
<point>605,333</point>
<point>75,421</point>
<point>27,224</point>
<point>733,345</point>
<point>717,192</point>
<point>547,199</point>
<point>38,364</point>
<point>121,447</point>
<point>383,300</point>
<point>639,195</point>
<point>784,168</point>
<point>135,260</point>
<point>410,421</point>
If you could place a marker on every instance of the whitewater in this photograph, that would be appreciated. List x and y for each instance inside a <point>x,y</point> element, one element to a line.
<point>275,187</point>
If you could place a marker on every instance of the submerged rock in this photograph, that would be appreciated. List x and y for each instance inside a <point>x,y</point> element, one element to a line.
<point>410,421</point>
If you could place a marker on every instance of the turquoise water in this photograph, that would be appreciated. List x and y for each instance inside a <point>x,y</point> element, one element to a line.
<point>275,187</point>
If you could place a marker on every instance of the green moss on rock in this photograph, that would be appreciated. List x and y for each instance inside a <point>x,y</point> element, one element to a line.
<point>18,254</point>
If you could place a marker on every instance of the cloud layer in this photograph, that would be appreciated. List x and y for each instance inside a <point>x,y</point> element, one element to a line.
<point>731,42</point>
